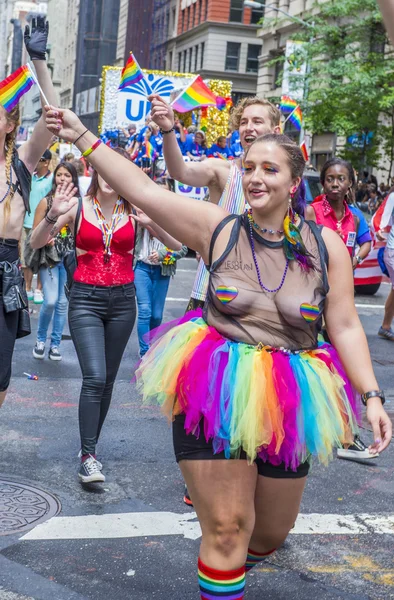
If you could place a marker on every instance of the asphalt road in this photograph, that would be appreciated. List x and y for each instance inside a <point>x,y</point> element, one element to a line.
<point>39,445</point>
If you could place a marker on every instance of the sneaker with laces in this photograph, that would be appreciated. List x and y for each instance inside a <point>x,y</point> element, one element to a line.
<point>90,472</point>
<point>357,451</point>
<point>38,297</point>
<point>387,334</point>
<point>39,350</point>
<point>30,294</point>
<point>186,498</point>
<point>100,466</point>
<point>54,353</point>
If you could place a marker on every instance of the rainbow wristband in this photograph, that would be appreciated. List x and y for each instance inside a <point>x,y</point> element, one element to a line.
<point>92,148</point>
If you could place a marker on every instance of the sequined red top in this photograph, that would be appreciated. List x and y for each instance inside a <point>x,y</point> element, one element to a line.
<point>91,268</point>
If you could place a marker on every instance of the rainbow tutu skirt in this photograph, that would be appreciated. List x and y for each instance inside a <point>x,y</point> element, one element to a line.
<point>278,405</point>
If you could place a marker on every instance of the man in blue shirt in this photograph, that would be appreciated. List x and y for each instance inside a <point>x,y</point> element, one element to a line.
<point>41,184</point>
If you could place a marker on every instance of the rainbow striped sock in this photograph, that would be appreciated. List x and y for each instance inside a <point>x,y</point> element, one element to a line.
<point>226,585</point>
<point>254,558</point>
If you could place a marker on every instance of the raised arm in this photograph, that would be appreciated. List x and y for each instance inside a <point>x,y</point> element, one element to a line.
<point>348,337</point>
<point>157,231</point>
<point>387,8</point>
<point>62,212</point>
<point>208,174</point>
<point>36,45</point>
<point>190,221</point>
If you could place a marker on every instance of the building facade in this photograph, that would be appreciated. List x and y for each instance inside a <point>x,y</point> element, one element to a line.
<point>218,40</point>
<point>122,31</point>
<point>275,37</point>
<point>69,54</point>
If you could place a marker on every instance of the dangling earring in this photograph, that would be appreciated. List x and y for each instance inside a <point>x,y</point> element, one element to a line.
<point>293,243</point>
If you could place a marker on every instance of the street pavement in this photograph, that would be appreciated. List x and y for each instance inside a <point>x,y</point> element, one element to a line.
<point>133,538</point>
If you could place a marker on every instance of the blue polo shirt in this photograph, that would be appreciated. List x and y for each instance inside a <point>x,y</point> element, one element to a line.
<point>40,187</point>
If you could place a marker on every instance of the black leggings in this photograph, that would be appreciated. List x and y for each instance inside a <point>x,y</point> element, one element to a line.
<point>101,320</point>
<point>8,321</point>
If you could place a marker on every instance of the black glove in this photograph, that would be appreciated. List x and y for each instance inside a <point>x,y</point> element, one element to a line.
<point>36,43</point>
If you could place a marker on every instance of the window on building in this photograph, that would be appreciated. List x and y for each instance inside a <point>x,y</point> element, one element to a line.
<point>206,9</point>
<point>236,11</point>
<point>194,14</point>
<point>190,59</point>
<point>196,58</point>
<point>170,61</point>
<point>257,15</point>
<point>199,10</point>
<point>173,19</point>
<point>232,56</point>
<point>183,19</point>
<point>179,62</point>
<point>278,68</point>
<point>184,60</point>
<point>188,19</point>
<point>252,63</point>
<point>202,55</point>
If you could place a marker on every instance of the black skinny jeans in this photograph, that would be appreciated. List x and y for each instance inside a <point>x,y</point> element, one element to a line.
<point>101,320</point>
<point>8,321</point>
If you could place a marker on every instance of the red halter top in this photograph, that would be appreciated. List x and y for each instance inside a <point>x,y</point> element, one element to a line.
<point>91,268</point>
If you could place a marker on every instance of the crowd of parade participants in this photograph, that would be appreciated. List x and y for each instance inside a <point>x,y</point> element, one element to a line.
<point>259,376</point>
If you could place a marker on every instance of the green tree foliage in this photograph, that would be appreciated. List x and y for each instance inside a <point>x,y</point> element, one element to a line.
<point>350,78</point>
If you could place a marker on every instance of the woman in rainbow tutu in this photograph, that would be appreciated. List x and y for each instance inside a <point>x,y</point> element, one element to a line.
<point>252,394</point>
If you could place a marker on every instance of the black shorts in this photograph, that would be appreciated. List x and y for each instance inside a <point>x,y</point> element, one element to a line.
<point>189,447</point>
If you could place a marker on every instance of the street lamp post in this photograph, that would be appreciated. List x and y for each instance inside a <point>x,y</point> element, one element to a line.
<point>252,4</point>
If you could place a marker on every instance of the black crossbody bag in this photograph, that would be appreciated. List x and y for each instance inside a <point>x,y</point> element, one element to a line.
<point>70,259</point>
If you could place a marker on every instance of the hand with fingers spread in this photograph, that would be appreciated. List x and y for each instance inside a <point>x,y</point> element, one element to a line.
<point>63,123</point>
<point>381,425</point>
<point>36,40</point>
<point>162,113</point>
<point>63,200</point>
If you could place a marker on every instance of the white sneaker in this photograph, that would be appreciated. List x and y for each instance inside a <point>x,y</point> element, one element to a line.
<point>357,451</point>
<point>38,297</point>
<point>39,350</point>
<point>30,294</point>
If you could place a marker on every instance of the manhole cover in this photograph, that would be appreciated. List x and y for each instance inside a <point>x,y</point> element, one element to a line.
<point>22,506</point>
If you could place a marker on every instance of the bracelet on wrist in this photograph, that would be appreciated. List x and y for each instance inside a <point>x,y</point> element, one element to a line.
<point>79,137</point>
<point>92,148</point>
<point>373,394</point>
<point>164,132</point>
<point>49,220</point>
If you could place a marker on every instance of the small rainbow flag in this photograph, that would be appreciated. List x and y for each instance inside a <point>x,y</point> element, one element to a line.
<point>304,151</point>
<point>131,73</point>
<point>14,86</point>
<point>287,104</point>
<point>150,151</point>
<point>196,95</point>
<point>296,118</point>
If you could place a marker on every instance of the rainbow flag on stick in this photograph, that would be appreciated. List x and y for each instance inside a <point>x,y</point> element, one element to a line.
<point>150,152</point>
<point>131,73</point>
<point>14,86</point>
<point>296,118</point>
<point>287,104</point>
<point>304,151</point>
<point>196,95</point>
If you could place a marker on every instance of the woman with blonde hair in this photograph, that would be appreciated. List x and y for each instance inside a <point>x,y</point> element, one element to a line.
<point>15,178</point>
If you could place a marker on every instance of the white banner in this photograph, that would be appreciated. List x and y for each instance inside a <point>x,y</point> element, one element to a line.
<point>294,70</point>
<point>189,191</point>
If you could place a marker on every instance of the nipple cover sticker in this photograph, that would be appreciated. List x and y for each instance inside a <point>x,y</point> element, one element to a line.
<point>310,312</point>
<point>226,294</point>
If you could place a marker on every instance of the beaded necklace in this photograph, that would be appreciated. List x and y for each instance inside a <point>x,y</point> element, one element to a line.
<point>263,229</point>
<point>263,287</point>
<point>107,229</point>
<point>8,189</point>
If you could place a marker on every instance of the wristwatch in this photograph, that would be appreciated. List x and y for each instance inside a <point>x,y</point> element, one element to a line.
<point>359,259</point>
<point>373,394</point>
